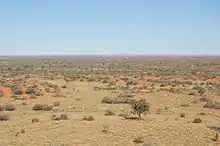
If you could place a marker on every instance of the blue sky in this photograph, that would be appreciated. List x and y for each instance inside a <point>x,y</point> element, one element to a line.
<point>109,27</point>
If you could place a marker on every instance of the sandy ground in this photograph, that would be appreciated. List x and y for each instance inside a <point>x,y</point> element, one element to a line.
<point>166,128</point>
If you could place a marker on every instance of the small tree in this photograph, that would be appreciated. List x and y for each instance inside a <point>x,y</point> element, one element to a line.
<point>140,107</point>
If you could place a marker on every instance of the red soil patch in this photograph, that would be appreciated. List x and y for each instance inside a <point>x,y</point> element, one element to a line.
<point>214,80</point>
<point>7,93</point>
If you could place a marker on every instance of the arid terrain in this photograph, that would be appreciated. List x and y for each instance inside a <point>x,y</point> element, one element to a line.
<point>97,101</point>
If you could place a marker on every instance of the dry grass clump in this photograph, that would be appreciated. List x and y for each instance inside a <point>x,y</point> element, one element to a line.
<point>118,100</point>
<point>4,117</point>
<point>109,112</point>
<point>59,117</point>
<point>197,120</point>
<point>138,140</point>
<point>212,105</point>
<point>89,118</point>
<point>35,120</point>
<point>42,107</point>
<point>9,107</point>
<point>56,103</point>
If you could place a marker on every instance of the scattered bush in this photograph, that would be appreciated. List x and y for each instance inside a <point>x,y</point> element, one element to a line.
<point>47,89</point>
<point>204,99</point>
<point>9,107</point>
<point>89,118</point>
<point>125,114</point>
<point>30,91</point>
<point>56,103</point>
<point>212,105</point>
<point>35,120</point>
<point>201,91</point>
<point>42,107</point>
<point>140,107</point>
<point>109,112</point>
<point>18,92</point>
<point>192,93</point>
<point>197,120</point>
<point>105,129</point>
<point>185,105</point>
<point>61,117</point>
<point>118,100</point>
<point>138,140</point>
<point>4,117</point>
<point>182,115</point>
<point>63,86</point>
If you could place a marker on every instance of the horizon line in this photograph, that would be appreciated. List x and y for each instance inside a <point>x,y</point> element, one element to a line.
<point>109,54</point>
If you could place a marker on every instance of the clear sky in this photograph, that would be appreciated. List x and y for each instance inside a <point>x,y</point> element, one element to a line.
<point>109,27</point>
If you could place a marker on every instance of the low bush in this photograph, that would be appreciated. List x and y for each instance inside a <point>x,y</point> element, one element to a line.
<point>4,117</point>
<point>42,107</point>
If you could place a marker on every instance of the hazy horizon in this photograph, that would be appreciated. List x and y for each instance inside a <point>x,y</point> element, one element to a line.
<point>53,27</point>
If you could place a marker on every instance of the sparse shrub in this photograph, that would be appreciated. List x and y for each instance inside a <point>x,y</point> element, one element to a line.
<point>64,117</point>
<point>42,107</point>
<point>125,114</point>
<point>9,107</point>
<point>4,117</point>
<point>197,120</point>
<point>97,88</point>
<point>35,120</point>
<point>202,114</point>
<point>61,117</point>
<point>182,115</point>
<point>47,89</point>
<point>204,99</point>
<point>18,92</point>
<point>138,140</point>
<point>140,107</point>
<point>109,112</point>
<point>185,105</point>
<point>159,110</point>
<point>63,86</point>
<point>212,105</point>
<point>24,103</point>
<point>105,81</point>
<point>162,85</point>
<point>201,91</point>
<point>192,93</point>
<point>30,91</point>
<point>56,103</point>
<point>105,129</point>
<point>22,130</point>
<point>89,118</point>
<point>118,100</point>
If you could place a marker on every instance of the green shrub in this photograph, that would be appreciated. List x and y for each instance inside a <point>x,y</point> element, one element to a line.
<point>140,107</point>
